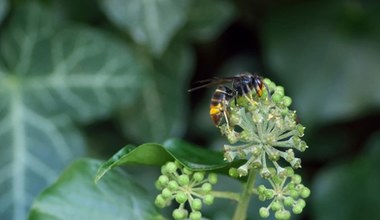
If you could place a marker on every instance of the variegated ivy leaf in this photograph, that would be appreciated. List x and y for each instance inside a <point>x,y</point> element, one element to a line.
<point>50,75</point>
<point>150,22</point>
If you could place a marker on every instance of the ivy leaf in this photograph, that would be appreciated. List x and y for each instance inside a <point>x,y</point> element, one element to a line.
<point>208,18</point>
<point>75,196</point>
<point>152,23</point>
<point>193,157</point>
<point>50,75</point>
<point>349,189</point>
<point>327,52</point>
<point>160,112</point>
<point>4,6</point>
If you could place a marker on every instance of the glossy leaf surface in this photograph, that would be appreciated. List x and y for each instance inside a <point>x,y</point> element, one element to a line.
<point>75,196</point>
<point>191,156</point>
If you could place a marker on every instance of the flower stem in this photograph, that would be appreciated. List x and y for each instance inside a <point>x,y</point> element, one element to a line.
<point>242,207</point>
<point>226,195</point>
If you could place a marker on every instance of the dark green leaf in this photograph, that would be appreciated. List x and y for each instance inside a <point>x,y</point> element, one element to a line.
<point>51,73</point>
<point>208,18</point>
<point>160,112</point>
<point>4,6</point>
<point>75,196</point>
<point>326,53</point>
<point>191,156</point>
<point>350,190</point>
<point>152,23</point>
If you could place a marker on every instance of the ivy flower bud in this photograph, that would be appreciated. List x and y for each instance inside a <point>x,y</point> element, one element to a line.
<point>181,197</point>
<point>206,187</point>
<point>160,201</point>
<point>264,212</point>
<point>170,167</point>
<point>212,178</point>
<point>173,185</point>
<point>196,204</point>
<point>179,213</point>
<point>276,205</point>
<point>208,199</point>
<point>195,215</point>
<point>198,176</point>
<point>166,193</point>
<point>183,179</point>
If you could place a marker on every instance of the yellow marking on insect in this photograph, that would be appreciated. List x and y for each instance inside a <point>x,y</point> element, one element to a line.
<point>259,91</point>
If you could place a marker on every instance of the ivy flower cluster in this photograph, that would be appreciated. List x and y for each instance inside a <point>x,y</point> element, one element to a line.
<point>263,129</point>
<point>184,186</point>
<point>286,192</point>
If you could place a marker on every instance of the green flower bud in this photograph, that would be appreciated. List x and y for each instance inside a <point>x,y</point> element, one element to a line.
<point>181,197</point>
<point>301,203</point>
<point>195,215</point>
<point>158,185</point>
<point>274,156</point>
<point>166,193</point>
<point>294,194</point>
<point>160,201</point>
<point>287,101</point>
<point>269,193</point>
<point>212,178</point>
<point>163,180</point>
<point>280,90</point>
<point>276,97</point>
<point>208,199</point>
<point>286,214</point>
<point>262,197</point>
<point>199,176</point>
<point>173,185</point>
<point>187,171</point>
<point>297,209</point>
<point>196,204</point>
<point>206,187</point>
<point>179,213</point>
<point>276,205</point>
<point>170,167</point>
<point>264,212</point>
<point>296,179</point>
<point>261,189</point>
<point>291,186</point>
<point>279,215</point>
<point>233,172</point>
<point>288,201</point>
<point>290,171</point>
<point>183,180</point>
<point>300,129</point>
<point>305,192</point>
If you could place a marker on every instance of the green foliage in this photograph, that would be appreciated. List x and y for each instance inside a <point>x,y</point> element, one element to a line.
<point>191,156</point>
<point>75,196</point>
<point>56,74</point>
<point>353,184</point>
<point>89,76</point>
<point>328,50</point>
<point>4,5</point>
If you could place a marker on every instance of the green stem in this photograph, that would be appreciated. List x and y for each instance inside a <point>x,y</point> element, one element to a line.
<point>242,207</point>
<point>226,195</point>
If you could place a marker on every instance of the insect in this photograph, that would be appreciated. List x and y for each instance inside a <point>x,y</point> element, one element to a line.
<point>242,85</point>
<point>218,105</point>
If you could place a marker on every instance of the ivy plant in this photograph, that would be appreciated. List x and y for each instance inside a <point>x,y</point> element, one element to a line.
<point>263,135</point>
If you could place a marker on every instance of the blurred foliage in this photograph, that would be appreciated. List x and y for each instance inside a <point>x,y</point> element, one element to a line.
<point>81,198</point>
<point>79,76</point>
